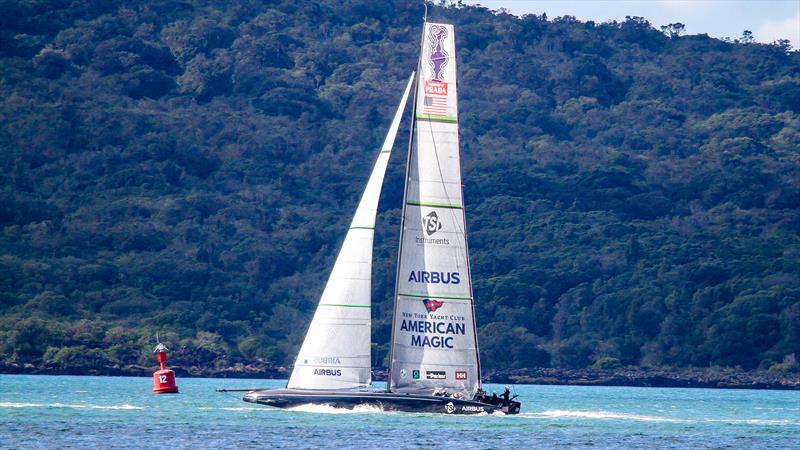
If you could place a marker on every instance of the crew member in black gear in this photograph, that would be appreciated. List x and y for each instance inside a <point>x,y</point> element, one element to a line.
<point>506,394</point>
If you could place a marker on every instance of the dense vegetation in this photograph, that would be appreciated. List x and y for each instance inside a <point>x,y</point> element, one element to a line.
<point>190,169</point>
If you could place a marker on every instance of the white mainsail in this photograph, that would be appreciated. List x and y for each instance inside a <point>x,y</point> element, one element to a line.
<point>336,350</point>
<point>434,343</point>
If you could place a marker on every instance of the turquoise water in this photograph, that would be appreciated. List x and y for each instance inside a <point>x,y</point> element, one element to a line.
<point>108,412</point>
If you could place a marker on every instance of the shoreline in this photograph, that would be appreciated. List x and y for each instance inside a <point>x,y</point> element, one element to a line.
<point>704,378</point>
<point>708,378</point>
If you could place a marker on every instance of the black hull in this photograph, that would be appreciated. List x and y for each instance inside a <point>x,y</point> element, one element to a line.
<point>386,401</point>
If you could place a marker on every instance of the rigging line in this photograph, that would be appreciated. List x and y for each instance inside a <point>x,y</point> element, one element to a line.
<point>441,177</point>
<point>232,394</point>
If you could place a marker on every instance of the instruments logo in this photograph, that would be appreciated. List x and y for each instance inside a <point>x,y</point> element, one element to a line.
<point>431,223</point>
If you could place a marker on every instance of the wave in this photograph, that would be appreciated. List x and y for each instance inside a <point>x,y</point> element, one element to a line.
<point>328,409</point>
<point>63,405</point>
<point>246,408</point>
<point>755,421</point>
<point>601,415</point>
<point>555,413</point>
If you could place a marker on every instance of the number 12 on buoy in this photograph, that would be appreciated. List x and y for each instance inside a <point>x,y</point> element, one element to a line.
<point>164,379</point>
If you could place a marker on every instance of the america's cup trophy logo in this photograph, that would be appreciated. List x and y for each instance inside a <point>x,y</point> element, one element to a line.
<point>438,55</point>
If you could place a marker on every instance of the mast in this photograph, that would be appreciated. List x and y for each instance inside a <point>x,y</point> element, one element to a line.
<point>405,194</point>
<point>469,278</point>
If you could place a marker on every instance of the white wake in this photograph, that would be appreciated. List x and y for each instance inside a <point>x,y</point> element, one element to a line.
<point>555,413</point>
<point>755,421</point>
<point>611,415</point>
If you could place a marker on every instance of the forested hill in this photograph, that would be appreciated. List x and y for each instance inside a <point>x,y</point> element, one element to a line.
<point>188,168</point>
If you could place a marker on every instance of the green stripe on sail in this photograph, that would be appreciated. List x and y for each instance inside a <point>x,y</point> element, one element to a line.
<point>386,151</point>
<point>435,296</point>
<point>344,305</point>
<point>434,205</point>
<point>450,119</point>
<point>362,228</point>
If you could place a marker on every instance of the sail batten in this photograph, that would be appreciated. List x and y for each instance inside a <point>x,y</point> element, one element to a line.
<point>434,344</point>
<point>336,351</point>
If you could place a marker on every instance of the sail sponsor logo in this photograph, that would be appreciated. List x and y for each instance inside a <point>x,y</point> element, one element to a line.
<point>461,375</point>
<point>433,241</point>
<point>403,373</point>
<point>431,341</point>
<point>437,57</point>
<point>432,334</point>
<point>435,88</point>
<point>432,305</point>
<point>423,326</point>
<point>328,372</point>
<point>422,276</point>
<point>435,374</point>
<point>415,374</point>
<point>435,101</point>
<point>431,223</point>
<point>327,360</point>
<point>431,316</point>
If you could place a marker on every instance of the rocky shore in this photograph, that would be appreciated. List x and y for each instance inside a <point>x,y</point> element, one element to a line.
<point>715,377</point>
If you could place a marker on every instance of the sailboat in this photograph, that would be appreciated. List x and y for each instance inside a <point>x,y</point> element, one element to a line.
<point>434,362</point>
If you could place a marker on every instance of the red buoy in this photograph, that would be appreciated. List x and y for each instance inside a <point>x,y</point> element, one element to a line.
<point>164,379</point>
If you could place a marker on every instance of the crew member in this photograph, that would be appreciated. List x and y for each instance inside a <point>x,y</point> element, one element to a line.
<point>506,394</point>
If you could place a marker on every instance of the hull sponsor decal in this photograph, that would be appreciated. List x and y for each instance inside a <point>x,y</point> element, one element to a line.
<point>435,374</point>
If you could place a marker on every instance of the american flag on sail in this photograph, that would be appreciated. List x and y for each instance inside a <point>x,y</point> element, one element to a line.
<point>435,100</point>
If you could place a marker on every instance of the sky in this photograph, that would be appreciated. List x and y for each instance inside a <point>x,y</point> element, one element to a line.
<point>769,20</point>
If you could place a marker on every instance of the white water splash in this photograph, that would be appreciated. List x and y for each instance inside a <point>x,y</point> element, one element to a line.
<point>328,409</point>
<point>63,405</point>
<point>555,413</point>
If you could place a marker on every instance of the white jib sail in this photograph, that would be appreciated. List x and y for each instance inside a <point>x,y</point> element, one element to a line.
<point>336,350</point>
<point>434,344</point>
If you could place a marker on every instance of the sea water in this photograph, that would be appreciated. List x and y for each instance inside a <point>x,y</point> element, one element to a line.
<point>110,412</point>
